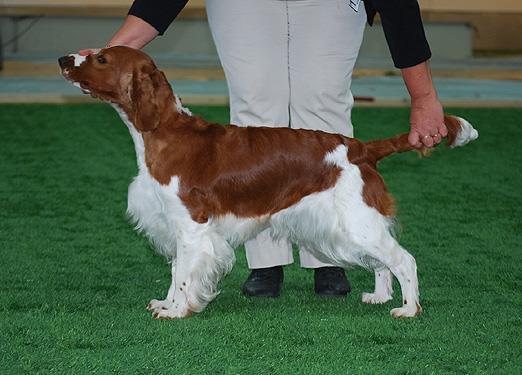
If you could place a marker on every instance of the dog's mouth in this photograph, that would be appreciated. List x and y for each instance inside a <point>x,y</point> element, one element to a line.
<point>84,86</point>
<point>69,73</point>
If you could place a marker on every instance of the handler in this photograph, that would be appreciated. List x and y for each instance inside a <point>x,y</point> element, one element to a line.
<point>290,63</point>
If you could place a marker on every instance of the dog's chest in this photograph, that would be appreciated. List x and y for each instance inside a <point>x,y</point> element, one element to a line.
<point>157,211</point>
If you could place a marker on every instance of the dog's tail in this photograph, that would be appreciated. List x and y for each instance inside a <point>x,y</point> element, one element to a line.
<point>460,133</point>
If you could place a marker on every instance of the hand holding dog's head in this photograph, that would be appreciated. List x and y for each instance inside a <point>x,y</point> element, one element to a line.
<point>122,76</point>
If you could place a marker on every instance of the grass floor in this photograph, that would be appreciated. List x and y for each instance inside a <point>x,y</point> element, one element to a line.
<point>75,278</point>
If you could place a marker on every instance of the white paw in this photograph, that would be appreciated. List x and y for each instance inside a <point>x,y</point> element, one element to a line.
<point>155,305</point>
<point>406,311</point>
<point>173,312</point>
<point>374,298</point>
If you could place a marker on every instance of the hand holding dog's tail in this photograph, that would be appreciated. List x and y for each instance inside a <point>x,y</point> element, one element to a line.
<point>460,133</point>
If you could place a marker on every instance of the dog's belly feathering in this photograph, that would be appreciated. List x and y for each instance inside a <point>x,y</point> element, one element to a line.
<point>236,230</point>
<point>335,225</point>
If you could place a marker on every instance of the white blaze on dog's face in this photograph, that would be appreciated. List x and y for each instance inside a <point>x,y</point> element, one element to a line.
<point>78,59</point>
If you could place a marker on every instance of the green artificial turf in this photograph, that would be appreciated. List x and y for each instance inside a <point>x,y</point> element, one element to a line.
<point>75,278</point>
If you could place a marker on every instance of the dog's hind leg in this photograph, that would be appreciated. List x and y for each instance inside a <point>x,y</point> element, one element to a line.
<point>402,264</point>
<point>370,233</point>
<point>383,288</point>
<point>156,305</point>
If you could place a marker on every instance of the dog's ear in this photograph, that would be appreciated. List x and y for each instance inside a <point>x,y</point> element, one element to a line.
<point>147,97</point>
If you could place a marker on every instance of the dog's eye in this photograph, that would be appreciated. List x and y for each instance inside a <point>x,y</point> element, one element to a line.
<point>101,59</point>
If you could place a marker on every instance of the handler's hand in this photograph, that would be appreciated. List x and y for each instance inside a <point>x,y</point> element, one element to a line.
<point>427,122</point>
<point>88,51</point>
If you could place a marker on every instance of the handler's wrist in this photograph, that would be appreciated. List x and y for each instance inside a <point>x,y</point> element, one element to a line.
<point>424,97</point>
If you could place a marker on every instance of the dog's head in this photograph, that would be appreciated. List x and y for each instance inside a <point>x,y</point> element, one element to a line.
<point>123,76</point>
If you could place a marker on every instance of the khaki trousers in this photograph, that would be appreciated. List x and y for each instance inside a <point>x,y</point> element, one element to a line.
<point>287,63</point>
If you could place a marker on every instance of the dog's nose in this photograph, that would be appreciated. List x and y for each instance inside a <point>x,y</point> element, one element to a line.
<point>63,61</point>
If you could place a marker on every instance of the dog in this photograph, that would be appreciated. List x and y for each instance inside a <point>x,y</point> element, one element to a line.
<point>203,188</point>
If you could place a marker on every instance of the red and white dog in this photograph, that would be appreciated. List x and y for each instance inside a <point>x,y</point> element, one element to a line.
<point>204,188</point>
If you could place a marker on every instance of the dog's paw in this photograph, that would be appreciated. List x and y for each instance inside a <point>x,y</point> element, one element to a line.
<point>173,312</point>
<point>406,311</point>
<point>155,305</point>
<point>373,298</point>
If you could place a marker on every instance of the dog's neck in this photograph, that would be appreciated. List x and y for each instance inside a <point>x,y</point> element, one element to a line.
<point>150,143</point>
<point>135,134</point>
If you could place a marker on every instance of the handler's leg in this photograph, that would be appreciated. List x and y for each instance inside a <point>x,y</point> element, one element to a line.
<point>325,38</point>
<point>251,37</point>
<point>251,40</point>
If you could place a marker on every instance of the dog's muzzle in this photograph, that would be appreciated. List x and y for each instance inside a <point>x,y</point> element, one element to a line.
<point>65,61</point>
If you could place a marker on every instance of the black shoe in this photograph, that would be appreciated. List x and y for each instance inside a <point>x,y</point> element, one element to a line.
<point>331,282</point>
<point>264,282</point>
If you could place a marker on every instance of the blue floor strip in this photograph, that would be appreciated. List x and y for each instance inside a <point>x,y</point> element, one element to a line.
<point>384,88</point>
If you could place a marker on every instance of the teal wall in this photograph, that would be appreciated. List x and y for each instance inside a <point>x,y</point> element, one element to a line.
<point>190,42</point>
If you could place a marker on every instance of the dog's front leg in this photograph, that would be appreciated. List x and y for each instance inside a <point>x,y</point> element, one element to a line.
<point>157,305</point>
<point>202,260</point>
<point>181,278</point>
